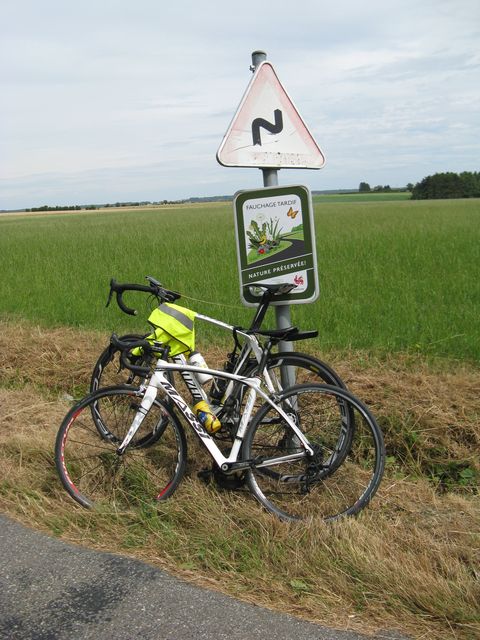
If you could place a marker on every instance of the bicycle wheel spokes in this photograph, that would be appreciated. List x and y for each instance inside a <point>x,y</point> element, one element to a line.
<point>348,459</point>
<point>92,471</point>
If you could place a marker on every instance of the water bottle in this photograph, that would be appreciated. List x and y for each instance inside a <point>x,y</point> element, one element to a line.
<point>204,413</point>
<point>197,360</point>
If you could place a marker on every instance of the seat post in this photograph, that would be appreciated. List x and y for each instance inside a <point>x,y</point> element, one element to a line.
<point>261,311</point>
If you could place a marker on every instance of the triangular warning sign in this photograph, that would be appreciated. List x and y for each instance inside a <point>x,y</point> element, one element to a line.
<point>267,130</point>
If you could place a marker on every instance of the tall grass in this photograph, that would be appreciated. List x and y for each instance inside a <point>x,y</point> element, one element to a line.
<point>394,276</point>
<point>57,268</point>
<point>409,561</point>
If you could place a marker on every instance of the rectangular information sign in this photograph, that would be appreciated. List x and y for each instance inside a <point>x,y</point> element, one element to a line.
<point>276,242</point>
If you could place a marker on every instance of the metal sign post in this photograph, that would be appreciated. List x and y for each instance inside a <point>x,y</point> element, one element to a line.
<point>270,179</point>
<point>268,133</point>
<point>282,312</point>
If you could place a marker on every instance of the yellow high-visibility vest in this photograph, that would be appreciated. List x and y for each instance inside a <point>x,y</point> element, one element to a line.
<point>173,325</point>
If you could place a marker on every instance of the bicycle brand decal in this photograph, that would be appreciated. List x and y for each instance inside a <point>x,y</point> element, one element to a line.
<point>185,409</point>
<point>192,386</point>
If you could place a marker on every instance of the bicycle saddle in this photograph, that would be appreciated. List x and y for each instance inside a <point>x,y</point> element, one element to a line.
<point>289,334</point>
<point>275,289</point>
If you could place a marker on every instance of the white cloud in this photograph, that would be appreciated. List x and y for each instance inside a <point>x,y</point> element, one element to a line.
<point>117,101</point>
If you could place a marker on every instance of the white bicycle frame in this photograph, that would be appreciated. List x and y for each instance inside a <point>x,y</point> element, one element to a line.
<point>158,381</point>
<point>251,346</point>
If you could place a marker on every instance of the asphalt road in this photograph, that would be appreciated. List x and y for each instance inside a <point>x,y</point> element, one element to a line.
<point>50,590</point>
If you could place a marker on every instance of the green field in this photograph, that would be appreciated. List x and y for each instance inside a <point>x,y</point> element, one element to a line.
<point>394,276</point>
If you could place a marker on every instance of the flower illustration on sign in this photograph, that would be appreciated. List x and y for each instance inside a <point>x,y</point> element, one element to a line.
<point>266,237</point>
<point>298,280</point>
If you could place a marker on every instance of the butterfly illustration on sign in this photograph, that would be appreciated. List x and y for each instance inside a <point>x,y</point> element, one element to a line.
<point>291,213</point>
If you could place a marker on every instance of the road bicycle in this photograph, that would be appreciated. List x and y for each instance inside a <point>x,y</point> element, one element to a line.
<point>224,397</point>
<point>284,368</point>
<point>125,447</point>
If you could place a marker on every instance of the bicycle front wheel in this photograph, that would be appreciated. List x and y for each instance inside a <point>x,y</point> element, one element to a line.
<point>314,486</point>
<point>90,467</point>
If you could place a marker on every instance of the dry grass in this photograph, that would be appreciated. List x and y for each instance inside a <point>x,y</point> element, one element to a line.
<point>410,561</point>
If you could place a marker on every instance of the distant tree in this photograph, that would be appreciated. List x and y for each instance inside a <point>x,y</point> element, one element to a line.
<point>410,187</point>
<point>364,187</point>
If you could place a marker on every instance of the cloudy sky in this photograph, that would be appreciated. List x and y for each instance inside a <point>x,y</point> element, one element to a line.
<point>115,100</point>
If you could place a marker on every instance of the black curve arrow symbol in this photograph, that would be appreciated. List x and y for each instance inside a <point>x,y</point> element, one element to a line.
<point>261,123</point>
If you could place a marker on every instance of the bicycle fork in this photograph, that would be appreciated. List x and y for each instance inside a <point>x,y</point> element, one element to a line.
<point>145,405</point>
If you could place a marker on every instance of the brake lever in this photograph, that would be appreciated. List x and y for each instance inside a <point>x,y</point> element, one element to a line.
<point>153,282</point>
<point>164,295</point>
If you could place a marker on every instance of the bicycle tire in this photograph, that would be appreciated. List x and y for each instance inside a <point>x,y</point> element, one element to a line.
<point>316,486</point>
<point>92,471</point>
<point>306,368</point>
<point>318,369</point>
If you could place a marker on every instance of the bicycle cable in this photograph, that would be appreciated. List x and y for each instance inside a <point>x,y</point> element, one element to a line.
<point>216,304</point>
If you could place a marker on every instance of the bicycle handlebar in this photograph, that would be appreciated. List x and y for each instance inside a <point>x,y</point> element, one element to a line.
<point>154,288</point>
<point>133,343</point>
<point>127,345</point>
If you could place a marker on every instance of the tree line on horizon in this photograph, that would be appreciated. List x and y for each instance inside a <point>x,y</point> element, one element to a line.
<point>438,186</point>
<point>93,207</point>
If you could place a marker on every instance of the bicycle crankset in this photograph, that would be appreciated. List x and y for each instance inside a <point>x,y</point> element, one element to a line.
<point>230,481</point>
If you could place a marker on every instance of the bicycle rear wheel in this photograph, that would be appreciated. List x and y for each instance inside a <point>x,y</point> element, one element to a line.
<point>317,486</point>
<point>96,475</point>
